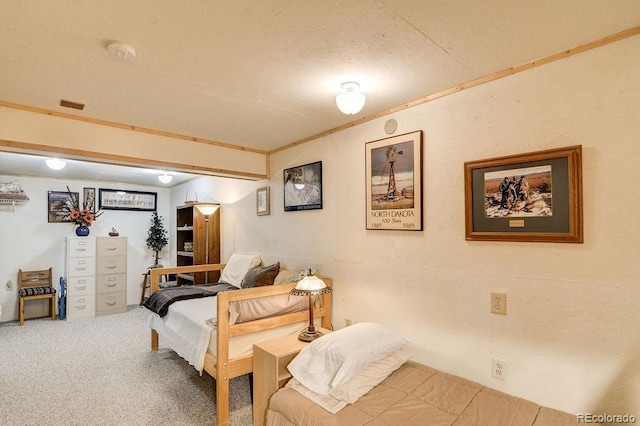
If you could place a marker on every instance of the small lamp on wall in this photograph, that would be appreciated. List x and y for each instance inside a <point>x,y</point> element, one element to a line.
<point>311,286</point>
<point>207,210</point>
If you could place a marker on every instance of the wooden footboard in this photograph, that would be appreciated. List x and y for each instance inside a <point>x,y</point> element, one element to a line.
<point>222,368</point>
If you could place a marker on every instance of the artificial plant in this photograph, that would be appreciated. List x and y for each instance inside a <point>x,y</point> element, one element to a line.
<point>157,236</point>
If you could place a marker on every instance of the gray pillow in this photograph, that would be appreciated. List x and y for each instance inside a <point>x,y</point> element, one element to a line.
<point>260,275</point>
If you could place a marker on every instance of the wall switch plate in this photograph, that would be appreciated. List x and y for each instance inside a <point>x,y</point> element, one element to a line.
<point>499,303</point>
<point>347,322</point>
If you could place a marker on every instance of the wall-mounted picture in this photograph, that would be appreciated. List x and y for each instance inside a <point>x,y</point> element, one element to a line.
<point>534,197</point>
<point>119,199</point>
<point>58,205</point>
<point>89,200</point>
<point>393,169</point>
<point>262,201</point>
<point>303,187</point>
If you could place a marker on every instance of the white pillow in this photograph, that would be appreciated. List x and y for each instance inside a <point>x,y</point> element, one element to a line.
<point>336,357</point>
<point>355,388</point>
<point>237,267</point>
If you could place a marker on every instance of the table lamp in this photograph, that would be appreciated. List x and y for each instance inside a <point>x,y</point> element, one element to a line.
<point>311,286</point>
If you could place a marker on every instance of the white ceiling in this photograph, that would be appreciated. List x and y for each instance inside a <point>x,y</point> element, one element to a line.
<point>263,74</point>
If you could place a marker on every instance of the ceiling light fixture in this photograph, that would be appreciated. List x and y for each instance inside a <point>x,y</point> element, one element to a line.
<point>122,52</point>
<point>165,178</point>
<point>55,163</point>
<point>350,100</point>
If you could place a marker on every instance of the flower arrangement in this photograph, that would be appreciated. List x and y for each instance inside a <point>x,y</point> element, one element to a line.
<point>80,216</point>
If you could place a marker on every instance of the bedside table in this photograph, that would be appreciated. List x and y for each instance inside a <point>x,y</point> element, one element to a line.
<point>270,360</point>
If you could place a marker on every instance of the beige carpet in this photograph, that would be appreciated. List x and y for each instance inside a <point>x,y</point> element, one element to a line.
<point>100,371</point>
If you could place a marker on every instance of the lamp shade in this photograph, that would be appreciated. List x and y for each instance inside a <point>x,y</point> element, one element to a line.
<point>207,209</point>
<point>55,163</point>
<point>350,100</point>
<point>310,286</point>
<point>165,178</point>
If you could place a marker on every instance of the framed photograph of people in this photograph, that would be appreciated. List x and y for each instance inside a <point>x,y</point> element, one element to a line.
<point>303,187</point>
<point>534,197</point>
<point>119,199</point>
<point>393,171</point>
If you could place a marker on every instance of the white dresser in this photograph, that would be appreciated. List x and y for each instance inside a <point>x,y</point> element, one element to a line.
<point>80,270</point>
<point>111,275</point>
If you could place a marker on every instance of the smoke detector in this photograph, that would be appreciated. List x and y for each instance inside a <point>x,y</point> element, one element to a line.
<point>122,52</point>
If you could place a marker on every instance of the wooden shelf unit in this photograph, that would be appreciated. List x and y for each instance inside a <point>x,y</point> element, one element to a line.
<point>191,228</point>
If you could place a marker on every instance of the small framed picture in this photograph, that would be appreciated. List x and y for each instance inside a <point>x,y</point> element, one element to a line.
<point>89,200</point>
<point>58,206</point>
<point>303,187</point>
<point>263,204</point>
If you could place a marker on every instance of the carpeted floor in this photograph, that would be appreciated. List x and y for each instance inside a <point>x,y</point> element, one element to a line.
<point>101,371</point>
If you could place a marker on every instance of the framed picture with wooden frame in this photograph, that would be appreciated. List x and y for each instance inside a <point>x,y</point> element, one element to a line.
<point>532,197</point>
<point>263,204</point>
<point>393,172</point>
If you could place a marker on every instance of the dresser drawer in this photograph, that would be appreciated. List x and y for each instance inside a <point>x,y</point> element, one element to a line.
<point>81,286</point>
<point>112,246</point>
<point>82,247</point>
<point>81,307</point>
<point>112,265</point>
<point>112,283</point>
<point>81,267</point>
<point>110,302</point>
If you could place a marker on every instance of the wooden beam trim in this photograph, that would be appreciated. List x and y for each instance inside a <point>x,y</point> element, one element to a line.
<point>473,83</point>
<point>130,161</point>
<point>128,127</point>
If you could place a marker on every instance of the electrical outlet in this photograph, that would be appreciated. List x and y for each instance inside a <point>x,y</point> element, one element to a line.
<point>9,285</point>
<point>499,303</point>
<point>498,369</point>
<point>347,322</point>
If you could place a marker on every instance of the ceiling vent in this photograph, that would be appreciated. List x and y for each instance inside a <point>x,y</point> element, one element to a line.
<point>69,104</point>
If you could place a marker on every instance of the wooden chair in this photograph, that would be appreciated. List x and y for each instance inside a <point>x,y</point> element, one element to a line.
<point>34,285</point>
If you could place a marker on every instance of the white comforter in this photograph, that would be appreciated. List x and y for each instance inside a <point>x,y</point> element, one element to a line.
<point>187,328</point>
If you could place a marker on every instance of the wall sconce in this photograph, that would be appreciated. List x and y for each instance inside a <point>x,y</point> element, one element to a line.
<point>350,100</point>
<point>165,178</point>
<point>55,163</point>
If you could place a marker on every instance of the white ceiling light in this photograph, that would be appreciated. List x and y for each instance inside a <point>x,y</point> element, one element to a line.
<point>122,52</point>
<point>350,100</point>
<point>165,178</point>
<point>55,163</point>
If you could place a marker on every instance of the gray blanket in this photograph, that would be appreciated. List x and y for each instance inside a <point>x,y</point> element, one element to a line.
<point>160,301</point>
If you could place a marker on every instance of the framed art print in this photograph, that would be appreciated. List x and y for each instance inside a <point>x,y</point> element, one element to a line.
<point>535,197</point>
<point>119,199</point>
<point>262,201</point>
<point>303,187</point>
<point>393,171</point>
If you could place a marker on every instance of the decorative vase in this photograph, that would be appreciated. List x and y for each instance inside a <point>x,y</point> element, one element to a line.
<point>82,231</point>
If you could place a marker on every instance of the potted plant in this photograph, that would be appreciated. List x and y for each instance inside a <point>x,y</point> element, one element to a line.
<point>157,237</point>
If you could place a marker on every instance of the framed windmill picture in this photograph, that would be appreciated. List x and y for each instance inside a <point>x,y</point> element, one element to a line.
<point>394,183</point>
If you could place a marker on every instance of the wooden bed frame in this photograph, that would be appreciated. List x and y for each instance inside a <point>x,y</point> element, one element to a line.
<point>224,368</point>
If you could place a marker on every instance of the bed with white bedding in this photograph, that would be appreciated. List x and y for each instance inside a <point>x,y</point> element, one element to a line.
<point>216,334</point>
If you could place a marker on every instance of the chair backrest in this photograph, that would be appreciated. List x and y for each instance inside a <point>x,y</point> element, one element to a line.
<point>34,278</point>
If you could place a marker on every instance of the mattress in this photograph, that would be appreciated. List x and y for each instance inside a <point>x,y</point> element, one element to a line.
<point>418,395</point>
<point>189,330</point>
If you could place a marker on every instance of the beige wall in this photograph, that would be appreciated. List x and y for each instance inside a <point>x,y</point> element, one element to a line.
<point>571,339</point>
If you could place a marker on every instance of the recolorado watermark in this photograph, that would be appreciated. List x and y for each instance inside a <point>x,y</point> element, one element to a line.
<point>605,418</point>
